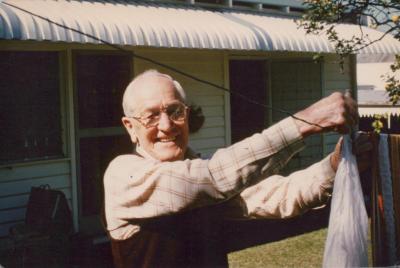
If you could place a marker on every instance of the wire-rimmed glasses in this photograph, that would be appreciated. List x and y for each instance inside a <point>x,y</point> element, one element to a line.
<point>176,112</point>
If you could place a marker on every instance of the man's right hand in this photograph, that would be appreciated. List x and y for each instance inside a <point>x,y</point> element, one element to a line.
<point>337,112</point>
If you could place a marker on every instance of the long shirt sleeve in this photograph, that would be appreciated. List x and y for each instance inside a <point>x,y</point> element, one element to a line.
<point>284,197</point>
<point>137,187</point>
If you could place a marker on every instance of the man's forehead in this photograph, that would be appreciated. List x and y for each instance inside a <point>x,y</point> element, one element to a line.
<point>152,81</point>
<point>151,90</point>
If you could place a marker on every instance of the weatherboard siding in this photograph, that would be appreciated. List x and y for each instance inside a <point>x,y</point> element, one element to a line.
<point>17,180</point>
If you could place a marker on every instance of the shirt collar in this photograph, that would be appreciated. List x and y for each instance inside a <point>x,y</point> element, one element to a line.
<point>143,153</point>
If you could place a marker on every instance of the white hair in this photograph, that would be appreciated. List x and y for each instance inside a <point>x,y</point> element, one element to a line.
<point>133,86</point>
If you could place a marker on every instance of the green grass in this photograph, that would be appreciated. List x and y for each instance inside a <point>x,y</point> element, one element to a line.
<point>300,251</point>
<point>305,250</point>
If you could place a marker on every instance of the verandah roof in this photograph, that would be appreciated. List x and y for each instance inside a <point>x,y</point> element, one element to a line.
<point>167,25</point>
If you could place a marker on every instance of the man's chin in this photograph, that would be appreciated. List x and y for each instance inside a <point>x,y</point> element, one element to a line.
<point>170,156</point>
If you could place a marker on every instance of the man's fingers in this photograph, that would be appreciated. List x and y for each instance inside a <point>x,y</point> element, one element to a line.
<point>337,154</point>
<point>336,112</point>
<point>347,114</point>
<point>351,110</point>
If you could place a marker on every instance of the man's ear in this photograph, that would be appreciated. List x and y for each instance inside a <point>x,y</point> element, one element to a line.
<point>130,128</point>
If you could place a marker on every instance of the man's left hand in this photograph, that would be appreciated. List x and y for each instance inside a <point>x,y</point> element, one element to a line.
<point>362,147</point>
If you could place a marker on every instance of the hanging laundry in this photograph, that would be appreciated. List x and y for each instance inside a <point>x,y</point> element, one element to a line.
<point>385,214</point>
<point>387,196</point>
<point>394,144</point>
<point>346,244</point>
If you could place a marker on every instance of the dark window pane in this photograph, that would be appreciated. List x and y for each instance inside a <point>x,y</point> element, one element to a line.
<point>29,106</point>
<point>248,78</point>
<point>100,82</point>
<point>96,154</point>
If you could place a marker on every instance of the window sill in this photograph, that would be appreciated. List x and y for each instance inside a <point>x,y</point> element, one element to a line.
<point>33,162</point>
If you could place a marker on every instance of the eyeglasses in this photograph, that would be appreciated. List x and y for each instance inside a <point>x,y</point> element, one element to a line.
<point>176,112</point>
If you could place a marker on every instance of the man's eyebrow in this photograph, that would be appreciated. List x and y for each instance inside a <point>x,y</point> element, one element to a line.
<point>172,103</point>
<point>156,108</point>
<point>149,110</point>
<point>144,108</point>
<point>143,111</point>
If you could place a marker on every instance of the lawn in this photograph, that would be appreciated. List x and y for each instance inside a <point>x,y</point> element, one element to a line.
<point>300,251</point>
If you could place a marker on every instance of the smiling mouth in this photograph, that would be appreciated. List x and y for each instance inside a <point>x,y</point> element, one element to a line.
<point>167,139</point>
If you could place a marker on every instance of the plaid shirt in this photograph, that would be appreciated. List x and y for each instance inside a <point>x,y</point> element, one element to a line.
<point>139,187</point>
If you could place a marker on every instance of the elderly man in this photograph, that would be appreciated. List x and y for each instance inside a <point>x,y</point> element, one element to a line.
<point>165,207</point>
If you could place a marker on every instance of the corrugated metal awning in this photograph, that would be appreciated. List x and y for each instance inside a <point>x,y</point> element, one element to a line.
<point>166,25</point>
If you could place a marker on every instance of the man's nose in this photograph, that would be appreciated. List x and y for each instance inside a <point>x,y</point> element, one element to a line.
<point>164,123</point>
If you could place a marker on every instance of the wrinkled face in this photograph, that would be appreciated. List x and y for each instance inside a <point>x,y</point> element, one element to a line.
<point>168,140</point>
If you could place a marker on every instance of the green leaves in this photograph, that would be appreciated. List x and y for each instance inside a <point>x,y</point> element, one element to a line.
<point>377,124</point>
<point>322,16</point>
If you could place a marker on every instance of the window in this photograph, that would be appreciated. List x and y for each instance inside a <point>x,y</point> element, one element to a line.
<point>100,82</point>
<point>248,78</point>
<point>30,116</point>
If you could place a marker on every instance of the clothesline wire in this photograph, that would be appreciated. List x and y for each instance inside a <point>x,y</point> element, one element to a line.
<point>166,66</point>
